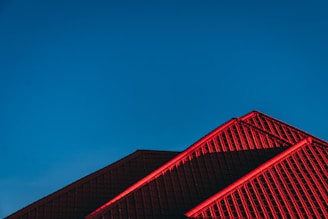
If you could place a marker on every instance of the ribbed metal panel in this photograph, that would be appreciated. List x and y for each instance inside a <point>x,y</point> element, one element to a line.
<point>278,128</point>
<point>295,186</point>
<point>209,166</point>
<point>251,167</point>
<point>185,186</point>
<point>87,194</point>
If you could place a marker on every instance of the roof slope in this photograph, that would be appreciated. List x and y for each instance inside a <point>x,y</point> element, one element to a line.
<point>87,194</point>
<point>254,166</point>
<point>292,184</point>
<point>214,162</point>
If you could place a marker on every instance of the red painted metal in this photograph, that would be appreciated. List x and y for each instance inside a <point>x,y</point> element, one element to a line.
<point>87,194</point>
<point>250,167</point>
<point>288,185</point>
<point>191,177</point>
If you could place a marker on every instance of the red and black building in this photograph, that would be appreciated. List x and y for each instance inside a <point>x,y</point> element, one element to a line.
<point>254,166</point>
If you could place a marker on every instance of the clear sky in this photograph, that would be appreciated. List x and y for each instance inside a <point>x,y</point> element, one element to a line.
<point>84,83</point>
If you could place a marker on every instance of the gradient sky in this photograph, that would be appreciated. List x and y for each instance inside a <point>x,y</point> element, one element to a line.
<point>84,83</point>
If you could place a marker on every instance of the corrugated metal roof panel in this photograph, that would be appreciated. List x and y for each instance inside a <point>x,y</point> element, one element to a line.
<point>292,184</point>
<point>200,171</point>
<point>248,167</point>
<point>90,192</point>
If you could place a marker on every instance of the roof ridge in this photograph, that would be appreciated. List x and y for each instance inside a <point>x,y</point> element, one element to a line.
<point>150,150</point>
<point>159,170</point>
<point>173,161</point>
<point>182,155</point>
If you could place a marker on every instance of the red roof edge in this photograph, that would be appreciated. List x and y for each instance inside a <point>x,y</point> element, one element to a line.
<point>251,114</point>
<point>84,179</point>
<point>172,162</point>
<point>248,176</point>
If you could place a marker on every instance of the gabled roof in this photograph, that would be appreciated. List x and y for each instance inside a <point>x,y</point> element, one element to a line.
<point>254,166</point>
<point>87,194</point>
<point>206,167</point>
<point>292,184</point>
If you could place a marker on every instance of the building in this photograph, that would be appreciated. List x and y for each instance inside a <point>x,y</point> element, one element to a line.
<point>250,167</point>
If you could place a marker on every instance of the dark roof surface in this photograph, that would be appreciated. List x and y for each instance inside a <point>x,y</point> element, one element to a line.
<point>87,194</point>
<point>254,166</point>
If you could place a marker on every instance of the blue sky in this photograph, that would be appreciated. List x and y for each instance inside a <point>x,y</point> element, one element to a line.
<point>84,83</point>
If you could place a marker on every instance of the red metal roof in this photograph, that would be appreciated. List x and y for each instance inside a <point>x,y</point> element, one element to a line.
<point>254,166</point>
<point>292,184</point>
<point>87,194</point>
<point>211,164</point>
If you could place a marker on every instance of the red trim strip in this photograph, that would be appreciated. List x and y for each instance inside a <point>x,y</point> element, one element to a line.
<point>160,170</point>
<point>248,176</point>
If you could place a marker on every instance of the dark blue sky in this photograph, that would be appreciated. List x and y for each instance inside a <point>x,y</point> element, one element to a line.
<point>84,83</point>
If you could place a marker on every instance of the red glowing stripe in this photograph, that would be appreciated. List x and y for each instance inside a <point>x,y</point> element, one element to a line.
<point>248,176</point>
<point>161,169</point>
